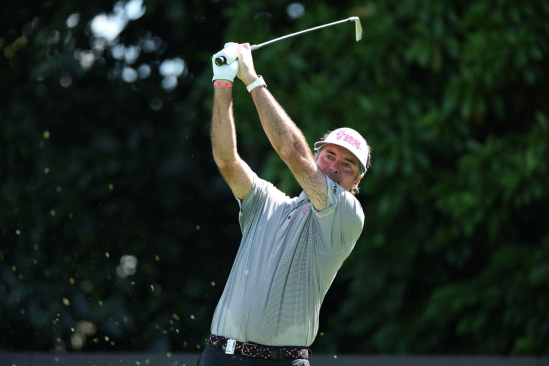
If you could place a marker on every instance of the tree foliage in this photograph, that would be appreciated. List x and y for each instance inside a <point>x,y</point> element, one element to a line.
<point>104,165</point>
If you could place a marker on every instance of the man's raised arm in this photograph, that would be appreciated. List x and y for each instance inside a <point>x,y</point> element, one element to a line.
<point>285,137</point>
<point>235,171</point>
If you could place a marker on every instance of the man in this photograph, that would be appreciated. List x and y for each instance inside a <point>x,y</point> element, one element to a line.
<point>291,248</point>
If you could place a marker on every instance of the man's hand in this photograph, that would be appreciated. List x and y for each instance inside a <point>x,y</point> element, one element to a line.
<point>246,70</point>
<point>229,71</point>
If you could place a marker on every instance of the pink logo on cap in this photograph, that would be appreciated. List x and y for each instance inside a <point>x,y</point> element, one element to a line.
<point>349,139</point>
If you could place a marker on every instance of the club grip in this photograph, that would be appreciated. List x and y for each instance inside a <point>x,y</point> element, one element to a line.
<point>221,60</point>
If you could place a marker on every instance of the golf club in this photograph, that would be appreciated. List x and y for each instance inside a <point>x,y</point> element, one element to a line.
<point>358,32</point>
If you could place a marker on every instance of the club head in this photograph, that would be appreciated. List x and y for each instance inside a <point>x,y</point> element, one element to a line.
<point>358,28</point>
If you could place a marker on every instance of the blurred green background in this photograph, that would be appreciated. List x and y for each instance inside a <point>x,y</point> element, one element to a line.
<point>117,233</point>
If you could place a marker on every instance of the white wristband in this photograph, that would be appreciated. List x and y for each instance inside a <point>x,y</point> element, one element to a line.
<point>256,83</point>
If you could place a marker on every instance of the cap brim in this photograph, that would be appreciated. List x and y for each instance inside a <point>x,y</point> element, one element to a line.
<point>319,144</point>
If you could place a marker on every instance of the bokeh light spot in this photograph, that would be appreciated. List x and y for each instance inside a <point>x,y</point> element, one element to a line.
<point>144,71</point>
<point>169,83</point>
<point>72,20</point>
<point>127,267</point>
<point>65,80</point>
<point>129,74</point>
<point>172,67</point>
<point>295,10</point>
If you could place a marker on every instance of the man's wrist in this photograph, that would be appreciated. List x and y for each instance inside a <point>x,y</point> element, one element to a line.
<point>258,82</point>
<point>223,83</point>
<point>250,79</point>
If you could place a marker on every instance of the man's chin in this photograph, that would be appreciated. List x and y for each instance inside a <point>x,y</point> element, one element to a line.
<point>335,179</point>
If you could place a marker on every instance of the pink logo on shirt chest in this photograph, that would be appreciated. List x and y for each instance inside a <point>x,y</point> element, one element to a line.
<point>306,209</point>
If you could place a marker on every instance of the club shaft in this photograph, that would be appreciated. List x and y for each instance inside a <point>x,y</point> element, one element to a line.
<point>221,60</point>
<point>255,47</point>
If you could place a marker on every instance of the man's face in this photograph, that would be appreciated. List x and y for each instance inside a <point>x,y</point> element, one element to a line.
<point>340,165</point>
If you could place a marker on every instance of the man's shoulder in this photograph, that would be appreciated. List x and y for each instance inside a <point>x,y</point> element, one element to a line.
<point>341,192</point>
<point>269,191</point>
<point>347,202</point>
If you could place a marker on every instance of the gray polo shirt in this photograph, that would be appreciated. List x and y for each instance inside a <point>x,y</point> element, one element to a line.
<point>287,260</point>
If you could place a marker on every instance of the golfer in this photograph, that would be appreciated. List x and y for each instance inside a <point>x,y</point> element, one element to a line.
<point>291,248</point>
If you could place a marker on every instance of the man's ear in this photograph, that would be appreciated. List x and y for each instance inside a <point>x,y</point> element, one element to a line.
<point>357,181</point>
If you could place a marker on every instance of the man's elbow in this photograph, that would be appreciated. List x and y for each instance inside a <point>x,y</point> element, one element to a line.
<point>291,153</point>
<point>224,163</point>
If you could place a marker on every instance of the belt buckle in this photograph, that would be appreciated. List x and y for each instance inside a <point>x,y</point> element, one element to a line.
<point>245,348</point>
<point>231,345</point>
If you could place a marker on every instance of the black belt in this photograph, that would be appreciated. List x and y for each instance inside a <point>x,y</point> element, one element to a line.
<point>260,351</point>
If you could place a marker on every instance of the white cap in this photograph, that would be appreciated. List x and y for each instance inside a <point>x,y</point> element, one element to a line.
<point>352,141</point>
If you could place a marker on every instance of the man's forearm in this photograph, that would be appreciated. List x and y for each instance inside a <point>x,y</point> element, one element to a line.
<point>286,138</point>
<point>223,132</point>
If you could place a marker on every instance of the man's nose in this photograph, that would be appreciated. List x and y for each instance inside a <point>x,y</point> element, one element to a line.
<point>334,169</point>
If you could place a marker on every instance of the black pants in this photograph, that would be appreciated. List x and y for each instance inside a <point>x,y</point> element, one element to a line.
<point>213,356</point>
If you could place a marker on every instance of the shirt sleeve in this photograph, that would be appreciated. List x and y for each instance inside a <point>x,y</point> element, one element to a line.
<point>341,223</point>
<point>263,196</point>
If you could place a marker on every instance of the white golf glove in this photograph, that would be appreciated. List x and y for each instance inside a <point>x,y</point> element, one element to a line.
<point>228,71</point>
